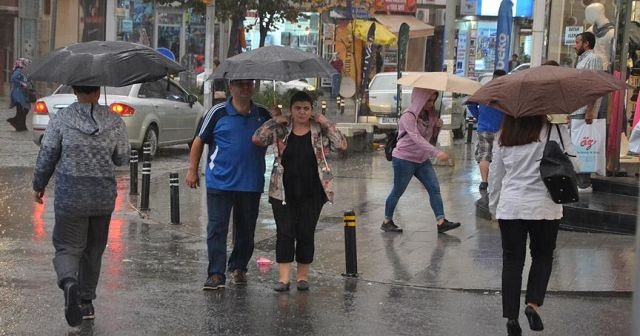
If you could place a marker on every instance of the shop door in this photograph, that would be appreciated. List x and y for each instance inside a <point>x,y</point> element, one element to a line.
<point>170,31</point>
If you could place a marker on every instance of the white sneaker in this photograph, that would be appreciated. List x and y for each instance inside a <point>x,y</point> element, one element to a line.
<point>585,190</point>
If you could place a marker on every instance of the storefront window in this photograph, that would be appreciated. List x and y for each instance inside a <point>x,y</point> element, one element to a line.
<point>301,35</point>
<point>135,21</point>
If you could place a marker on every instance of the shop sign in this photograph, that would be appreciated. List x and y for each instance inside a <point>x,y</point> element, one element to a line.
<point>570,33</point>
<point>432,2</point>
<point>126,26</point>
<point>468,7</point>
<point>395,6</point>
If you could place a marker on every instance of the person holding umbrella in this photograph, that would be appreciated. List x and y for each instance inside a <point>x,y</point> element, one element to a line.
<point>19,82</point>
<point>418,130</point>
<point>300,182</point>
<point>516,168</point>
<point>82,144</point>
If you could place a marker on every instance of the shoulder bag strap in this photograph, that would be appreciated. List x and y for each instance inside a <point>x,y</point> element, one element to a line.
<point>559,136</point>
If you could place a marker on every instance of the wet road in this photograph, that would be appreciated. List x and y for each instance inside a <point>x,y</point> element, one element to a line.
<point>416,283</point>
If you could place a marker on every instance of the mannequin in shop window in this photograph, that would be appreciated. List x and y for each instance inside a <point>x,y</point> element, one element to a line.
<point>603,29</point>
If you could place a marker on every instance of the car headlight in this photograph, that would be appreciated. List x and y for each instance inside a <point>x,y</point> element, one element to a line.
<point>310,88</point>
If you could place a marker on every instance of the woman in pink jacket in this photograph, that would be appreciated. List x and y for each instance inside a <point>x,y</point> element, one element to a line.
<point>417,131</point>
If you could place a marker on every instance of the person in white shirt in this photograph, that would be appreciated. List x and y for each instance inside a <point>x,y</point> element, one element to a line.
<point>519,200</point>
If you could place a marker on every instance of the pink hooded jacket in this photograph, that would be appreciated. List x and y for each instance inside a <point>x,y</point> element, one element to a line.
<point>413,133</point>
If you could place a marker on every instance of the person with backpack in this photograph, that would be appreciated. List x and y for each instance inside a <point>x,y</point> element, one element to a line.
<point>418,129</point>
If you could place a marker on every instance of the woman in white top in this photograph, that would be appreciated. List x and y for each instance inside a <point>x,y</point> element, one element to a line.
<point>519,200</point>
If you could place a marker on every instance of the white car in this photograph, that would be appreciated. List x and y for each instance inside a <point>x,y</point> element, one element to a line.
<point>283,87</point>
<point>161,112</point>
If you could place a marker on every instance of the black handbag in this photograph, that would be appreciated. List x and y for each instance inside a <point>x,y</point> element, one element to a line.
<point>30,94</point>
<point>557,172</point>
<point>392,142</point>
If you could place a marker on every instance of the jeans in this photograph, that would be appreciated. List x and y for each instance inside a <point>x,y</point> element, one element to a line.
<point>79,242</point>
<point>335,85</point>
<point>403,171</point>
<point>543,234</point>
<point>245,207</point>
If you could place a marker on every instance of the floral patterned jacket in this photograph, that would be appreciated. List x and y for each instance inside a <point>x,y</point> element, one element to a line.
<point>324,138</point>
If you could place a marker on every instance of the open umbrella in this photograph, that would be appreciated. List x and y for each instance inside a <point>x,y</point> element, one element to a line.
<point>382,34</point>
<point>440,81</point>
<point>103,63</point>
<point>546,90</point>
<point>274,63</point>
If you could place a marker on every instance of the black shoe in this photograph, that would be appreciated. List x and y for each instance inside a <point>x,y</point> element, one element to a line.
<point>72,303</point>
<point>303,285</point>
<point>513,328</point>
<point>447,225</point>
<point>86,308</point>
<point>239,277</point>
<point>213,282</point>
<point>390,226</point>
<point>483,186</point>
<point>281,287</point>
<point>13,123</point>
<point>535,322</point>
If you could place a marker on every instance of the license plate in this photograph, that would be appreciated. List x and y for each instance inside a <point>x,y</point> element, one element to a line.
<point>388,120</point>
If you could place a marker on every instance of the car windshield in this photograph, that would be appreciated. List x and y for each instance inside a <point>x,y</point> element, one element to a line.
<point>117,91</point>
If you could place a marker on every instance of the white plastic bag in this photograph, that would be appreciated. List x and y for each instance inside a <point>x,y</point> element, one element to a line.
<point>634,139</point>
<point>590,144</point>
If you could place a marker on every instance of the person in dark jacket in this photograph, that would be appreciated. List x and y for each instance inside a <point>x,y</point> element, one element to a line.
<point>18,97</point>
<point>83,143</point>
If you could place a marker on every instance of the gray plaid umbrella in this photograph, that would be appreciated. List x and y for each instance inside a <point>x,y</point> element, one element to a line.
<point>103,63</point>
<point>274,63</point>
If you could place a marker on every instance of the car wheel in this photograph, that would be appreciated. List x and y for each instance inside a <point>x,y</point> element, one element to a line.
<point>151,136</point>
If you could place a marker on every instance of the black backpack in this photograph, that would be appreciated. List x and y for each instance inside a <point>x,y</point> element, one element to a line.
<point>557,172</point>
<point>392,141</point>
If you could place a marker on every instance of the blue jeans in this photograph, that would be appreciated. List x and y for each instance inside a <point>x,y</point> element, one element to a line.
<point>245,214</point>
<point>403,171</point>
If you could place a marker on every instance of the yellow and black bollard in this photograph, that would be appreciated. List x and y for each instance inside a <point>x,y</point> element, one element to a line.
<point>342,106</point>
<point>350,253</point>
<point>146,176</point>
<point>324,107</point>
<point>133,172</point>
<point>174,196</point>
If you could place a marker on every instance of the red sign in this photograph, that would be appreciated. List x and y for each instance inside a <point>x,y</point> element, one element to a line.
<point>395,6</point>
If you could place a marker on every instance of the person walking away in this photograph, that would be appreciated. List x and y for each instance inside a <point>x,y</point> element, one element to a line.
<point>489,121</point>
<point>301,182</point>
<point>234,179</point>
<point>337,64</point>
<point>587,59</point>
<point>82,143</point>
<point>516,168</point>
<point>19,82</point>
<point>418,130</point>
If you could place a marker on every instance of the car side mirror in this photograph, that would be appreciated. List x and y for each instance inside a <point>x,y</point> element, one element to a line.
<point>192,99</point>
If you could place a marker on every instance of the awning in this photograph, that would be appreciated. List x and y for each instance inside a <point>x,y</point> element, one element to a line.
<point>417,28</point>
<point>382,34</point>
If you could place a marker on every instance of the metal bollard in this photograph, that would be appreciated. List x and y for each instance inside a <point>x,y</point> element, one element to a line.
<point>146,152</point>
<point>469,131</point>
<point>324,107</point>
<point>133,173</point>
<point>146,184</point>
<point>350,254</point>
<point>174,185</point>
<point>342,107</point>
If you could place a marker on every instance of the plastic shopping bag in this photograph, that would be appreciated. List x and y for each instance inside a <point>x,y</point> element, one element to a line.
<point>634,139</point>
<point>590,144</point>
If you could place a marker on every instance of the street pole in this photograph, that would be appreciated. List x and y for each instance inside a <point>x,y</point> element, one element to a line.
<point>449,34</point>
<point>208,54</point>
<point>537,35</point>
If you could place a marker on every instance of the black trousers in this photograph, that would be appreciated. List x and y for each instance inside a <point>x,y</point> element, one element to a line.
<point>20,119</point>
<point>543,234</point>
<point>79,242</point>
<point>296,227</point>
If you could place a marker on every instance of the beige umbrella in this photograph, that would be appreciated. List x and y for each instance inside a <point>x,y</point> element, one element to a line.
<point>546,90</point>
<point>440,81</point>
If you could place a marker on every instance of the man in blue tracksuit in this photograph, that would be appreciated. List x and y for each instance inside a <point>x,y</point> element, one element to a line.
<point>234,178</point>
<point>489,121</point>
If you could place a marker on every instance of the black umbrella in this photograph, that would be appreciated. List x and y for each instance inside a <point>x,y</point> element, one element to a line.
<point>274,63</point>
<point>103,63</point>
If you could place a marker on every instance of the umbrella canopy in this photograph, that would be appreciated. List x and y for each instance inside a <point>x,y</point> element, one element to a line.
<point>546,90</point>
<point>274,63</point>
<point>382,36</point>
<point>440,81</point>
<point>103,63</point>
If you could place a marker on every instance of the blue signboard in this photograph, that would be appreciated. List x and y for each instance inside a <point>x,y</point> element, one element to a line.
<point>521,8</point>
